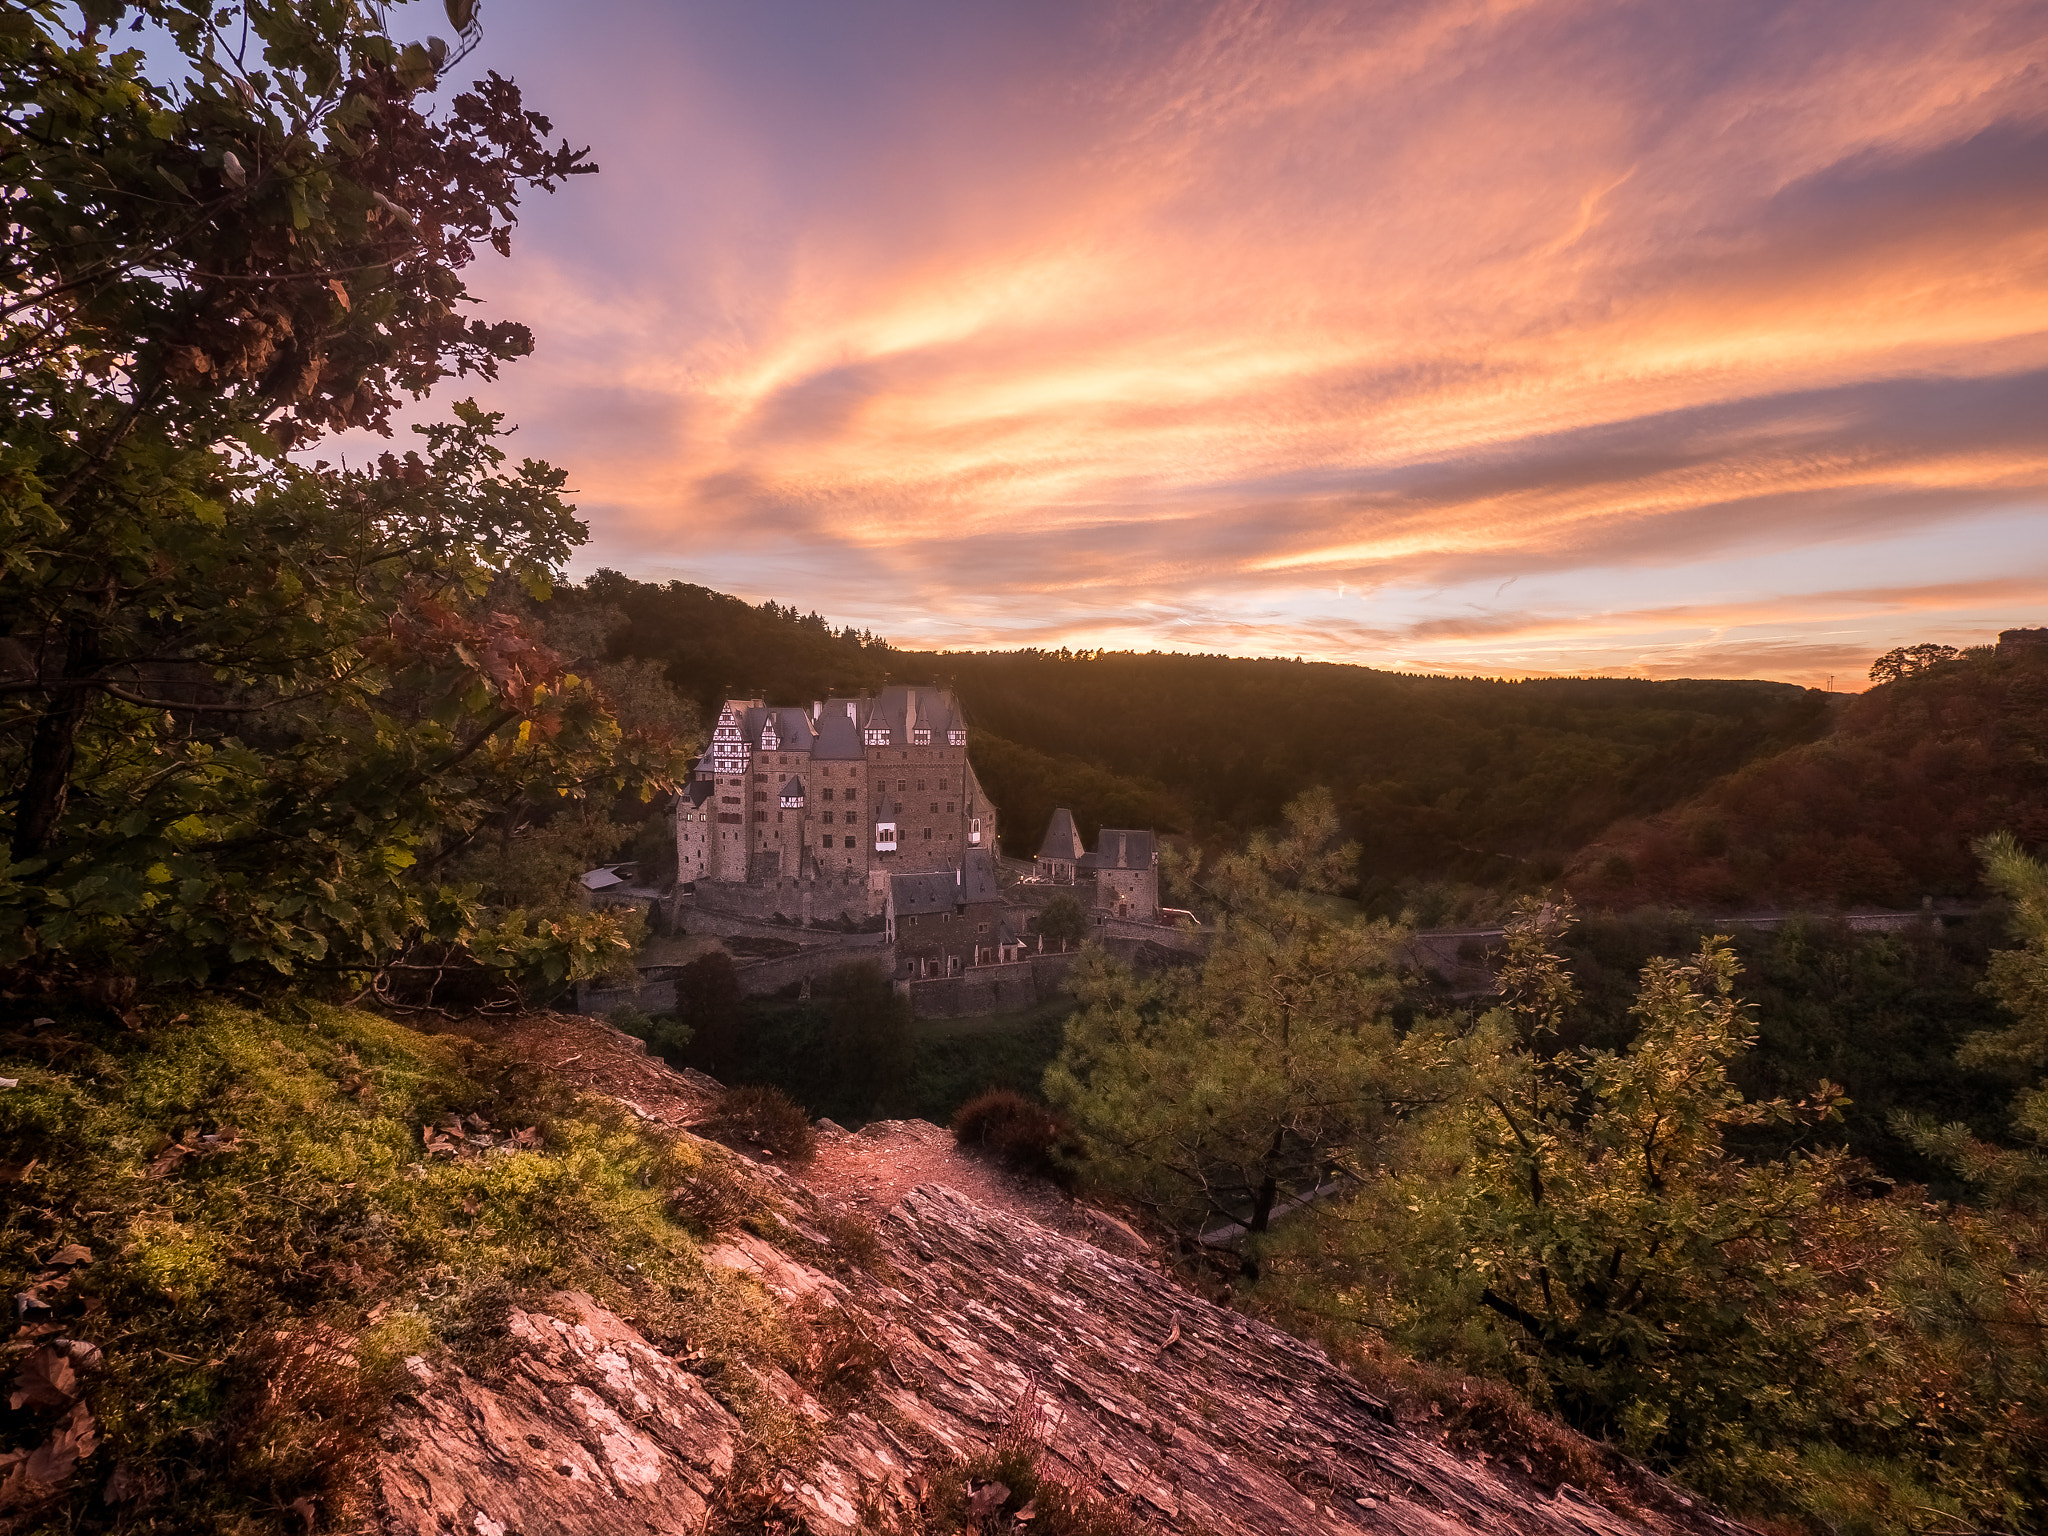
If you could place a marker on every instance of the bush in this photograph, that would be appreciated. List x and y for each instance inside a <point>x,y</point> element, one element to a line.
<point>666,1035</point>
<point>1024,1134</point>
<point>764,1117</point>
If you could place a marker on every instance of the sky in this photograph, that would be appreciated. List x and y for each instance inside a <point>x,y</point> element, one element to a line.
<point>1511,337</point>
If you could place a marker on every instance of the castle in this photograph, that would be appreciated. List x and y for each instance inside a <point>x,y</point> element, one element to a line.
<point>1125,866</point>
<point>806,814</point>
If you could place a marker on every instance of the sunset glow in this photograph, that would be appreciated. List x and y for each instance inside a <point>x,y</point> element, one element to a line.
<point>1459,336</point>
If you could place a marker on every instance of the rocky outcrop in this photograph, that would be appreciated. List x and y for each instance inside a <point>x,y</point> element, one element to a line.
<point>588,1429</point>
<point>1205,1420</point>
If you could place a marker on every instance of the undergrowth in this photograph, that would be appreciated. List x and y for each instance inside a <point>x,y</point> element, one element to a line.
<point>233,1229</point>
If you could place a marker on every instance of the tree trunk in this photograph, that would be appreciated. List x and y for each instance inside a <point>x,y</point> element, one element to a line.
<point>55,748</point>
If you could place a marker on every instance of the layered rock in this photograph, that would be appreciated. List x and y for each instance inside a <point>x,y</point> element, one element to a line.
<point>1207,1421</point>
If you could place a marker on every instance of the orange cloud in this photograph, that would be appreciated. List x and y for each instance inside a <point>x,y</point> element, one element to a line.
<point>1160,324</point>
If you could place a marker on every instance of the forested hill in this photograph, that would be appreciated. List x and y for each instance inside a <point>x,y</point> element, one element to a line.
<point>1437,777</point>
<point>1882,811</point>
<point>1440,778</point>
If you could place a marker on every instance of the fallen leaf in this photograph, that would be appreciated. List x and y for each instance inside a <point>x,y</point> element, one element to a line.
<point>1028,1512</point>
<point>132,1482</point>
<point>58,1457</point>
<point>529,1138</point>
<point>303,1508</point>
<point>69,1254</point>
<point>987,1499</point>
<point>10,1082</point>
<point>17,1173</point>
<point>45,1380</point>
<point>471,1205</point>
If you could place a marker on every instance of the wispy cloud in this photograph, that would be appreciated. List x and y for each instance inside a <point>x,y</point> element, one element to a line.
<point>1158,323</point>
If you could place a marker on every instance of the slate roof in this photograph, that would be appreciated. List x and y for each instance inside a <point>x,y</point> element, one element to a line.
<point>696,792</point>
<point>978,881</point>
<point>794,789</point>
<point>902,710</point>
<point>1062,838</point>
<point>838,739</point>
<point>793,726</point>
<point>839,733</point>
<point>915,895</point>
<point>1122,848</point>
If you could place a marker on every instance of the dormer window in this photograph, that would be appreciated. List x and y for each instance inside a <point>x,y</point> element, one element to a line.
<point>878,735</point>
<point>956,738</point>
<point>920,738</point>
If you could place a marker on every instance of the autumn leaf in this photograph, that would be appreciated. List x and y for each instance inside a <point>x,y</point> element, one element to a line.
<point>45,1380</point>
<point>56,1458</point>
<point>987,1499</point>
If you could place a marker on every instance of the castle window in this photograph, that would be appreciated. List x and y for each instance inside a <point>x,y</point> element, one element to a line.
<point>935,807</point>
<point>878,736</point>
<point>920,738</point>
<point>828,818</point>
<point>760,794</point>
<point>852,793</point>
<point>849,842</point>
<point>927,834</point>
<point>981,927</point>
<point>956,738</point>
<point>828,787</point>
<point>760,815</point>
<point>949,807</point>
<point>902,784</point>
<point>920,783</point>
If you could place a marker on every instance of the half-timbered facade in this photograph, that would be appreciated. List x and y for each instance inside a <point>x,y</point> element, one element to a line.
<point>807,812</point>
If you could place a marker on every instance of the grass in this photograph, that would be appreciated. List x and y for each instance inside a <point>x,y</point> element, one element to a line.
<point>271,1234</point>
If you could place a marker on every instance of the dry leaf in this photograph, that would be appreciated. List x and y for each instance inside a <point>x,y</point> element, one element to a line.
<point>70,1253</point>
<point>987,1499</point>
<point>340,291</point>
<point>56,1458</point>
<point>132,1482</point>
<point>45,1380</point>
<point>1028,1512</point>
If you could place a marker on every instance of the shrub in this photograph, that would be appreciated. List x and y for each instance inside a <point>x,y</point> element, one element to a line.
<point>1024,1134</point>
<point>764,1117</point>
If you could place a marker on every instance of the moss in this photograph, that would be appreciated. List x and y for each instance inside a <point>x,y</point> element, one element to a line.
<point>272,1236</point>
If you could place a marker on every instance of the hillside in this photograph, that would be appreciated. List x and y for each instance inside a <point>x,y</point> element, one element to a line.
<point>496,1284</point>
<point>1472,779</point>
<point>1879,812</point>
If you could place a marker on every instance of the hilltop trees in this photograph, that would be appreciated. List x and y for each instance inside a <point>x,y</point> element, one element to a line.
<point>1909,660</point>
<point>249,706</point>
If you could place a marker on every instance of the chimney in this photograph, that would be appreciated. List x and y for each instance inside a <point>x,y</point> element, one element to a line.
<point>817,709</point>
<point>909,714</point>
<point>1121,859</point>
<point>849,710</point>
